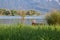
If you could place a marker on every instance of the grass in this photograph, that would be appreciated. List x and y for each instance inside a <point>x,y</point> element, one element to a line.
<point>29,32</point>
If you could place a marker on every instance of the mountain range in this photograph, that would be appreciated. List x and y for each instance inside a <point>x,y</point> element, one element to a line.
<point>39,5</point>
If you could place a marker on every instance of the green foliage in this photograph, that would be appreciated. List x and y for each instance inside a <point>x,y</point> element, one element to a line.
<point>2,11</point>
<point>53,18</point>
<point>22,13</point>
<point>32,12</point>
<point>6,13</point>
<point>23,32</point>
<point>13,12</point>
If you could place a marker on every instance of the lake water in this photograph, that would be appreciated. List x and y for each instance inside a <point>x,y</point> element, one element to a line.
<point>17,19</point>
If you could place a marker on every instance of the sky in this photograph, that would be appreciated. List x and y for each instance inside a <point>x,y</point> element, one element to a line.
<point>40,5</point>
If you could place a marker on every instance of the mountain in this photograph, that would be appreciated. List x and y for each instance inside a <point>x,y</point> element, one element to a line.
<point>40,5</point>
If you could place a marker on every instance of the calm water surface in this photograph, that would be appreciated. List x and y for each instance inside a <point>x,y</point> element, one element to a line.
<point>17,19</point>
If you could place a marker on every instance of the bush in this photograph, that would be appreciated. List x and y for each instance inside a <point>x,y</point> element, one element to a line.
<point>53,18</point>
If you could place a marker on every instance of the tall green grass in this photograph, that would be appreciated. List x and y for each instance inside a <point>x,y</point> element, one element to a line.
<point>29,32</point>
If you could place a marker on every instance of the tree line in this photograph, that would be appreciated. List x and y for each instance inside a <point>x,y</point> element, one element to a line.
<point>18,12</point>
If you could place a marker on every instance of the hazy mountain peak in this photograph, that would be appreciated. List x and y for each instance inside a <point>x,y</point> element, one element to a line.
<point>40,5</point>
<point>58,1</point>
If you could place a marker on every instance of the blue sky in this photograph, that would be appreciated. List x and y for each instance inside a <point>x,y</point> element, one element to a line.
<point>41,5</point>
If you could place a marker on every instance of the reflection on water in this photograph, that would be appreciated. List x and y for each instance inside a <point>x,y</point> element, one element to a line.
<point>17,19</point>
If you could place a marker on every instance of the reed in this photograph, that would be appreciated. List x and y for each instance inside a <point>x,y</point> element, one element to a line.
<point>29,32</point>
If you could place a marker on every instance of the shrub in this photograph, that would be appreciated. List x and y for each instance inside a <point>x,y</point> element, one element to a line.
<point>53,18</point>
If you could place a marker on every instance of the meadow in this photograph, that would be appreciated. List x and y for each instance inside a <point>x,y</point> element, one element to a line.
<point>29,32</point>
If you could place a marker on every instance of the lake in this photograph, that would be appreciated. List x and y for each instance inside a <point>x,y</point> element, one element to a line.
<point>17,19</point>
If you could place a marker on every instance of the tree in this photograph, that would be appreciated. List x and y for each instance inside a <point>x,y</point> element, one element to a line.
<point>2,11</point>
<point>6,13</point>
<point>22,13</point>
<point>53,18</point>
<point>13,12</point>
<point>32,12</point>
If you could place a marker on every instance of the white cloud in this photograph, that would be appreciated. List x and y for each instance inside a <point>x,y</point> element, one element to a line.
<point>57,1</point>
<point>54,0</point>
<point>38,1</point>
